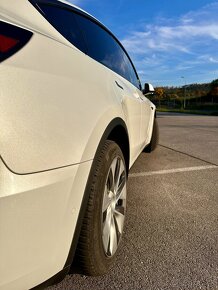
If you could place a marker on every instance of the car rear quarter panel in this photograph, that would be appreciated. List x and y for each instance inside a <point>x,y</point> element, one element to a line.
<point>52,97</point>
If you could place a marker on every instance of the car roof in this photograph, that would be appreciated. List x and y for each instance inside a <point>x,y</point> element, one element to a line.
<point>73,5</point>
<point>67,3</point>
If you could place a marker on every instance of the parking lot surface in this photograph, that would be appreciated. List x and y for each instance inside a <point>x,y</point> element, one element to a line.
<point>171,233</point>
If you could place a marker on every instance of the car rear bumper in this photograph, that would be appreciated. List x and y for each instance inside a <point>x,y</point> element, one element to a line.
<point>38,216</point>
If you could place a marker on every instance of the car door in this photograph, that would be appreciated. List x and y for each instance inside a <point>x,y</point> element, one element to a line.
<point>130,100</point>
<point>146,111</point>
<point>103,47</point>
<point>141,102</point>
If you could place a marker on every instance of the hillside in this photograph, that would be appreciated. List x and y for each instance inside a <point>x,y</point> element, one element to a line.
<point>202,97</point>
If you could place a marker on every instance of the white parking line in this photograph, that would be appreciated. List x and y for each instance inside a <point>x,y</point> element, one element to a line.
<point>175,170</point>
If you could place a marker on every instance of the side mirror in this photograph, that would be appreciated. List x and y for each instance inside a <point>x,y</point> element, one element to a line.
<point>148,89</point>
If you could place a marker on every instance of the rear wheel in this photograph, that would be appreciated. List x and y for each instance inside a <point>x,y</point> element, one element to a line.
<point>154,138</point>
<point>103,223</point>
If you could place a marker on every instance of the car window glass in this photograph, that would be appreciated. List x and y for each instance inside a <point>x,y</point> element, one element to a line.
<point>103,47</point>
<point>63,20</point>
<point>92,39</point>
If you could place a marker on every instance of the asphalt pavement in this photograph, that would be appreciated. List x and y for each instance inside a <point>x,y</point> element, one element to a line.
<point>171,234</point>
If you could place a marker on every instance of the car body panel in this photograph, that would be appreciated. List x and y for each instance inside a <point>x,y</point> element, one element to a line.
<point>38,216</point>
<point>36,117</point>
<point>55,105</point>
<point>23,14</point>
<point>39,119</point>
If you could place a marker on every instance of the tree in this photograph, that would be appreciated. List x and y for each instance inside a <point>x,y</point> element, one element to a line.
<point>214,83</point>
<point>214,90</point>
<point>159,94</point>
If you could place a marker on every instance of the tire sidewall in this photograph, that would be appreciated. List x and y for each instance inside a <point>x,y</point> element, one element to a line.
<point>102,171</point>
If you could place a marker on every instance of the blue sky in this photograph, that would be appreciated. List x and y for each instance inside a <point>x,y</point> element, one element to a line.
<point>166,39</point>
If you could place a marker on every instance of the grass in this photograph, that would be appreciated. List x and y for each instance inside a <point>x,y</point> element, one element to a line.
<point>196,112</point>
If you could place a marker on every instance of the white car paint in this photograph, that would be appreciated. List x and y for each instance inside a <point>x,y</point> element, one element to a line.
<point>53,113</point>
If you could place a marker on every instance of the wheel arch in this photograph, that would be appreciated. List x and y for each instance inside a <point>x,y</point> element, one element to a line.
<point>116,131</point>
<point>119,135</point>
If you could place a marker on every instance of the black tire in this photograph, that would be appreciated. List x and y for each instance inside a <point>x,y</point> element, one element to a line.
<point>154,138</point>
<point>91,254</point>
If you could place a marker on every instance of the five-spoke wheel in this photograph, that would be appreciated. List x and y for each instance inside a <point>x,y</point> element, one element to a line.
<point>103,223</point>
<point>114,206</point>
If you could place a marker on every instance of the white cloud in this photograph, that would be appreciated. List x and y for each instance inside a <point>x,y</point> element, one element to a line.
<point>189,31</point>
<point>213,60</point>
<point>208,12</point>
<point>193,26</point>
<point>178,45</point>
<point>207,59</point>
<point>168,38</point>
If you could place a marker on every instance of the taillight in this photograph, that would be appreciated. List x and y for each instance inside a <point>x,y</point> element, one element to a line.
<point>12,39</point>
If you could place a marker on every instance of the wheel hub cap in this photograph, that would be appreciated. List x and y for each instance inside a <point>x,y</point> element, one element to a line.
<point>114,206</point>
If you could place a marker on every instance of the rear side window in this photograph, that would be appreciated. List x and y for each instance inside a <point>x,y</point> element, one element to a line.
<point>91,39</point>
<point>63,20</point>
<point>104,48</point>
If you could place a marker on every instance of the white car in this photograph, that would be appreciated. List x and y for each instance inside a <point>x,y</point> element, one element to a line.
<point>73,119</point>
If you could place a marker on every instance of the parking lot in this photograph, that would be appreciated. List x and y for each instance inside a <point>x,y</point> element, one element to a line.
<point>171,233</point>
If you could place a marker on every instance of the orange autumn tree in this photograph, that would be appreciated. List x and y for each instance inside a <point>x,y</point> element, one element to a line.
<point>159,92</point>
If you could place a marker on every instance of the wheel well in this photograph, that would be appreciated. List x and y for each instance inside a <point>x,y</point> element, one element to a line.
<point>119,135</point>
<point>117,132</point>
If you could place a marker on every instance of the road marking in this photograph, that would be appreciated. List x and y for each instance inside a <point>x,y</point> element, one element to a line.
<point>175,170</point>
